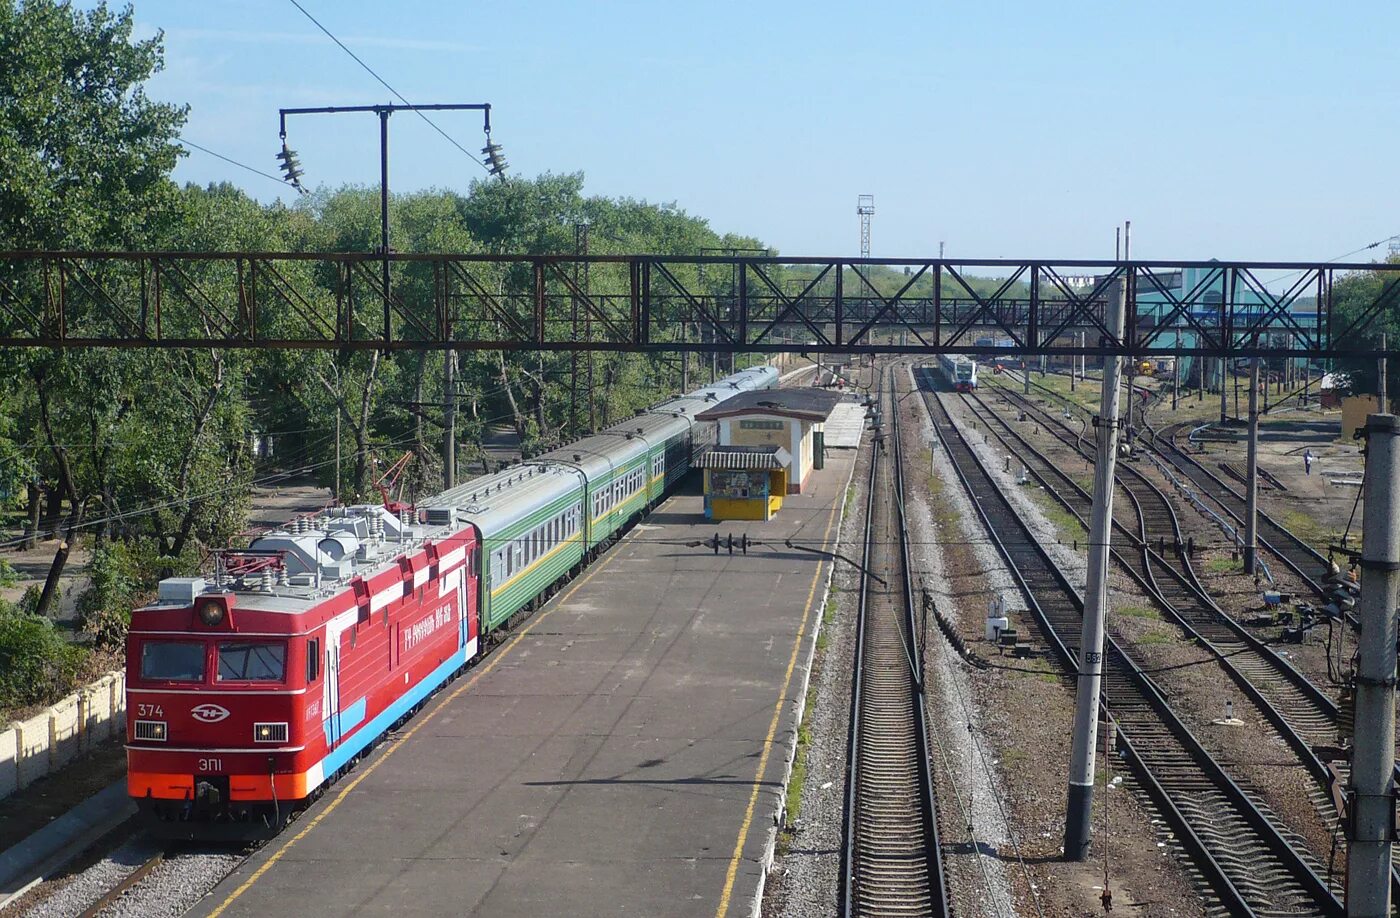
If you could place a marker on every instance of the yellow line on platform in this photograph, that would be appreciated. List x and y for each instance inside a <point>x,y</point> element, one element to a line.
<point>491,662</point>
<point>737,856</point>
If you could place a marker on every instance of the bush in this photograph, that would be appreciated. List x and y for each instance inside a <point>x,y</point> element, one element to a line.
<point>124,576</point>
<point>37,665</point>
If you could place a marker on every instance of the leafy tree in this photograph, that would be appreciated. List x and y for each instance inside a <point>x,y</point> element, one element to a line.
<point>85,158</point>
<point>1353,296</point>
<point>85,155</point>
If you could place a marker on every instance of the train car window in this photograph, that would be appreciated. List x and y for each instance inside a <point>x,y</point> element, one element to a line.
<point>172,661</point>
<point>313,659</point>
<point>260,661</point>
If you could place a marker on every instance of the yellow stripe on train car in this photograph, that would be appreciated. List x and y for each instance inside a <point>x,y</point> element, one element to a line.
<point>540,560</point>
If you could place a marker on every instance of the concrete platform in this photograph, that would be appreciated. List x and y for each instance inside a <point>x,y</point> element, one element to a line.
<point>623,754</point>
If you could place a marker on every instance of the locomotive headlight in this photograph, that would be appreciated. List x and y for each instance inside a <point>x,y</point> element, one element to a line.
<point>270,733</point>
<point>151,730</point>
<point>211,614</point>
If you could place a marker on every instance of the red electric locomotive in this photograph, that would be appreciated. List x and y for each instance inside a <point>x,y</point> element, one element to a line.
<point>247,694</point>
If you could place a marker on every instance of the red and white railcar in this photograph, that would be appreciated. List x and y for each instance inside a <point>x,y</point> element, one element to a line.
<point>247,693</point>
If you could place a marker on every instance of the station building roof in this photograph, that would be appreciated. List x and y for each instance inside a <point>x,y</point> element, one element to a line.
<point>744,458</point>
<point>807,404</point>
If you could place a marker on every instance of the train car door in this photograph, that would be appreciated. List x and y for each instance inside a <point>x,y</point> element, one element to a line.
<point>330,693</point>
<point>330,688</point>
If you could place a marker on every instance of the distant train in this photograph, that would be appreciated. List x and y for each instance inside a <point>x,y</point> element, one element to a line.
<point>248,693</point>
<point>961,371</point>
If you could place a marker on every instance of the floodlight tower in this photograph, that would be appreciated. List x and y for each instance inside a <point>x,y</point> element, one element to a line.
<point>865,206</point>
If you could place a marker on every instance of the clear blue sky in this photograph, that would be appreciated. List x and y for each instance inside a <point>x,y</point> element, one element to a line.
<point>1263,130</point>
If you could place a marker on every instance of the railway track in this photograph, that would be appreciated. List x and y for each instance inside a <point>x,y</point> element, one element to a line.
<point>1246,864</point>
<point>129,882</point>
<point>892,864</point>
<point>1293,702</point>
<point>1274,538</point>
<point>1305,716</point>
<point>1300,557</point>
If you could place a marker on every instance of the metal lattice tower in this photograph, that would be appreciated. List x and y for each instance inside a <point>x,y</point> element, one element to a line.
<point>865,206</point>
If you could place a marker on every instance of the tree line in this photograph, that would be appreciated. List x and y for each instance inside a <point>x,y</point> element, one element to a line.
<point>149,457</point>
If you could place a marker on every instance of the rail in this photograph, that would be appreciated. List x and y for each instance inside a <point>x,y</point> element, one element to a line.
<point>1234,843</point>
<point>892,860</point>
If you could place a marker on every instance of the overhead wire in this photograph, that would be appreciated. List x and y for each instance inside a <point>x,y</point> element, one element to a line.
<point>228,159</point>
<point>385,83</point>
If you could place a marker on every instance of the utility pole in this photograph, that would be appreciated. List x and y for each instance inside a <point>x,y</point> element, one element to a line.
<point>449,416</point>
<point>337,453</point>
<point>1251,485</point>
<point>1372,792</point>
<point>293,171</point>
<point>1078,817</point>
<point>1176,371</point>
<point>1381,387</point>
<point>1224,396</point>
<point>582,245</point>
<point>1079,807</point>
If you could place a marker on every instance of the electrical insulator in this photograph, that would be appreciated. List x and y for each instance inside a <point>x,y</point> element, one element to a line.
<point>291,167</point>
<point>493,160</point>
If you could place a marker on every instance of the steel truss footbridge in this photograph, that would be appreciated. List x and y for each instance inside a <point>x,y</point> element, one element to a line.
<point>672,303</point>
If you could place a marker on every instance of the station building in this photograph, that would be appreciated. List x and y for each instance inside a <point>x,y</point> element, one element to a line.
<point>769,442</point>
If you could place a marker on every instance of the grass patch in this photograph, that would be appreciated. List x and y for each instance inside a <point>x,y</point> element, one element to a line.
<point>1224,565</point>
<point>1066,523</point>
<point>1139,612</point>
<point>1310,530</point>
<point>1156,637</point>
<point>828,613</point>
<point>792,801</point>
<point>850,500</point>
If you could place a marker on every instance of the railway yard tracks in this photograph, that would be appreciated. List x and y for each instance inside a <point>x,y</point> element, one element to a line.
<point>1300,557</point>
<point>1305,717</point>
<point>892,863</point>
<point>1245,863</point>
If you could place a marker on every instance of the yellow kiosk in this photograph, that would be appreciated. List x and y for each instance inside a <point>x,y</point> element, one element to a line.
<point>744,482</point>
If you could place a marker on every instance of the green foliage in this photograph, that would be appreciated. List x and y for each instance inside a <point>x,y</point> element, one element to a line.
<point>84,154</point>
<point>37,665</point>
<point>8,575</point>
<point>1354,296</point>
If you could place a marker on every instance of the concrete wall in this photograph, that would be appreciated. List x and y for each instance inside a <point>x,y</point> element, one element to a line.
<point>49,740</point>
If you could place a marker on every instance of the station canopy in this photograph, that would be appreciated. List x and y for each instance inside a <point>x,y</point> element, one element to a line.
<point>745,458</point>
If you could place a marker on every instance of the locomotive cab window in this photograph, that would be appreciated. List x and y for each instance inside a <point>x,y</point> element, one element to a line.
<point>252,662</point>
<point>172,661</point>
